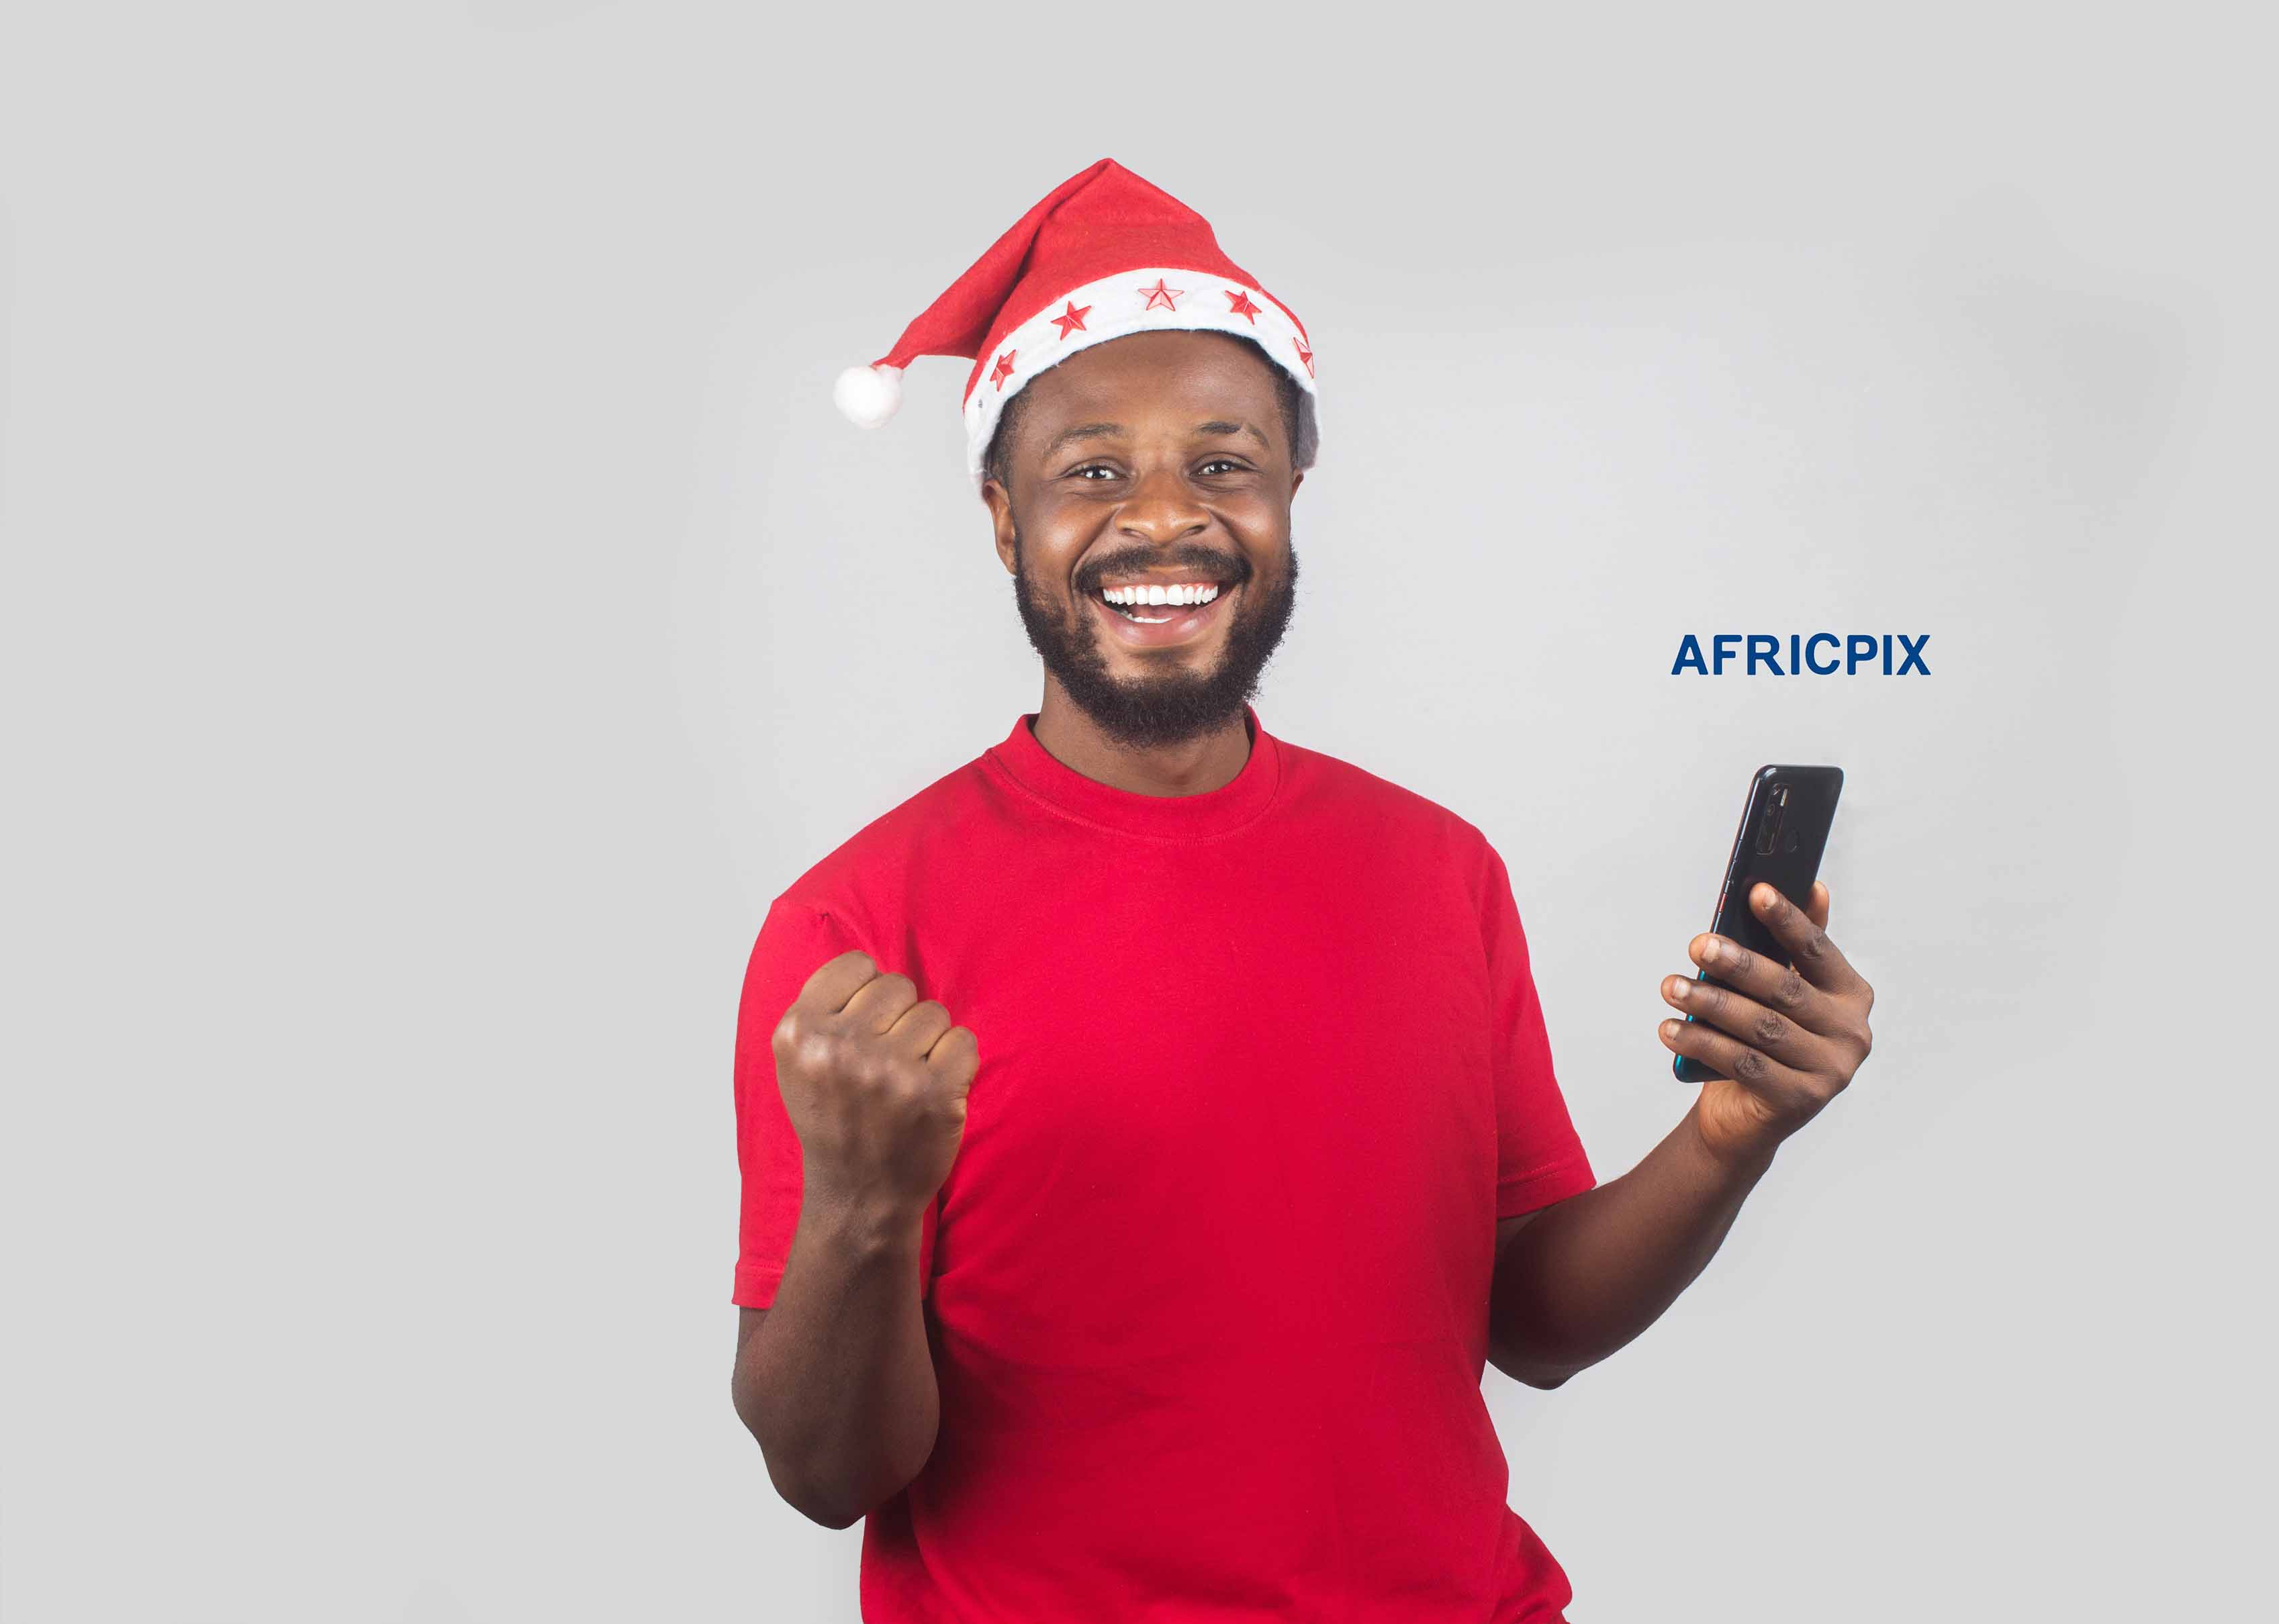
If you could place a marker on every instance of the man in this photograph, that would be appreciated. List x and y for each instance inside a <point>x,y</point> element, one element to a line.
<point>1148,1129</point>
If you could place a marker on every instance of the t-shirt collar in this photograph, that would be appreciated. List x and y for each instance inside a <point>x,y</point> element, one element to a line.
<point>1237,802</point>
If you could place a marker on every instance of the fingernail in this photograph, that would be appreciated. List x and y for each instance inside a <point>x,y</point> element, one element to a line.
<point>1764,898</point>
<point>1678,989</point>
<point>1709,951</point>
<point>1670,1028</point>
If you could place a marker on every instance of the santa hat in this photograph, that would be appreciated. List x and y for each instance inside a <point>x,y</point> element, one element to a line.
<point>1103,255</point>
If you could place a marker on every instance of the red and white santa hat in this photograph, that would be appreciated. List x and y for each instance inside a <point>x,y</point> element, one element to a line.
<point>1103,255</point>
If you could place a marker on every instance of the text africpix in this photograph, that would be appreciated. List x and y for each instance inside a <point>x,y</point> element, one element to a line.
<point>1823,653</point>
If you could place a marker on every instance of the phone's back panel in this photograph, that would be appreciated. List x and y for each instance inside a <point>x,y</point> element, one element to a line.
<point>1784,831</point>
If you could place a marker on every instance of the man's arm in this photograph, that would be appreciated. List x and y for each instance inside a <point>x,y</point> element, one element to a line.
<point>1578,1279</point>
<point>835,1379</point>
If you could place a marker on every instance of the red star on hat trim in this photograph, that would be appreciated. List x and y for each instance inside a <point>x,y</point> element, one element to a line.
<point>1305,355</point>
<point>1072,320</point>
<point>1003,370</point>
<point>1162,296</point>
<point>1239,304</point>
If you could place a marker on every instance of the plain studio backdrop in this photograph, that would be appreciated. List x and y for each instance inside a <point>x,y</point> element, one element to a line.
<point>442,608</point>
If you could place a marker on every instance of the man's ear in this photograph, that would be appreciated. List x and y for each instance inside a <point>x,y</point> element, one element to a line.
<point>999,501</point>
<point>1297,479</point>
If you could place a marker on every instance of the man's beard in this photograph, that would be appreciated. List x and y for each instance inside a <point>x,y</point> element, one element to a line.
<point>1171,705</point>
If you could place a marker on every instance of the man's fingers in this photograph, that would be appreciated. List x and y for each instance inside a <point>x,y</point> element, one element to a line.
<point>1729,1057</point>
<point>1772,984</point>
<point>837,980</point>
<point>877,1006</point>
<point>1807,944</point>
<point>921,1026</point>
<point>956,1054</point>
<point>1758,1027</point>
<point>1815,906</point>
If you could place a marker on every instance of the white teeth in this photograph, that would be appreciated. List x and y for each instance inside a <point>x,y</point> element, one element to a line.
<point>1181,595</point>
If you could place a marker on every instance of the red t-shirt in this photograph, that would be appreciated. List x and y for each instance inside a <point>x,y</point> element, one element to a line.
<point>1208,1285</point>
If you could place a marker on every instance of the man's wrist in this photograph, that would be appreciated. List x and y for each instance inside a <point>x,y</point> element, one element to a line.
<point>860,1227</point>
<point>1741,1163</point>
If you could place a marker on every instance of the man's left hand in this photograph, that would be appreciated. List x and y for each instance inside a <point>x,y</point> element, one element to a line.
<point>1785,1037</point>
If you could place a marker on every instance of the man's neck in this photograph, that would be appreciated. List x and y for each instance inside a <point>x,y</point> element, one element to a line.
<point>1074,739</point>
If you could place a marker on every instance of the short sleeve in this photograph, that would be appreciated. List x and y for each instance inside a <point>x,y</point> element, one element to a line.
<point>1539,1158</point>
<point>794,942</point>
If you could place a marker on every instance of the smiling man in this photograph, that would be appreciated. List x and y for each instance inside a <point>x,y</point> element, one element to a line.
<point>1148,1130</point>
<point>1156,609</point>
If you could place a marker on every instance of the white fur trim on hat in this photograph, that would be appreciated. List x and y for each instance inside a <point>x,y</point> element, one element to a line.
<point>1129,301</point>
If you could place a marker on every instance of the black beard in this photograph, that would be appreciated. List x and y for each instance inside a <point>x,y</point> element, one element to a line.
<point>1175,705</point>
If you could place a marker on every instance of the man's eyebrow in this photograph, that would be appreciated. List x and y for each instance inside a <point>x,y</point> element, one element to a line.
<point>1082,430</point>
<point>1219,426</point>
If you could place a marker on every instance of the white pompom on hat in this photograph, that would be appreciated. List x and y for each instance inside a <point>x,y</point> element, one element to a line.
<point>869,395</point>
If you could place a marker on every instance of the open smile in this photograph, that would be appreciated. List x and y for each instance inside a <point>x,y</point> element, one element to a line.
<point>1137,619</point>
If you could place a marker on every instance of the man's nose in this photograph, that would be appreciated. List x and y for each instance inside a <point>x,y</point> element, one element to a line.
<point>1162,508</point>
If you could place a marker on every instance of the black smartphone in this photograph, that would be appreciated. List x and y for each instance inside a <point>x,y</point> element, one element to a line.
<point>1784,830</point>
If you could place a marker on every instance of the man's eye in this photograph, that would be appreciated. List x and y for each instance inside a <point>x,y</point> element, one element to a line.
<point>1093,468</point>
<point>1222,462</point>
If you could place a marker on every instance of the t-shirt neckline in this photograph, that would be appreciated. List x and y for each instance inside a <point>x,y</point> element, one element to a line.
<point>1234,804</point>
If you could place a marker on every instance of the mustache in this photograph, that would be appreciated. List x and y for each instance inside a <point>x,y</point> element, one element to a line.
<point>1219,566</point>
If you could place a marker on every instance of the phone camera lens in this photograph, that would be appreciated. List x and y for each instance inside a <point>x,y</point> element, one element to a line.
<point>1768,832</point>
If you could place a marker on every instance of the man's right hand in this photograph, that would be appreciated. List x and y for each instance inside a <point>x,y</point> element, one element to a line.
<point>874,1084</point>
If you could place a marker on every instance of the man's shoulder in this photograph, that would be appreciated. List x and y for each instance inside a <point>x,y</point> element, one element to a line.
<point>876,865</point>
<point>1328,785</point>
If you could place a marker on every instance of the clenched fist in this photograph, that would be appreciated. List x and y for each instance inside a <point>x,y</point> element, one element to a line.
<point>875,1084</point>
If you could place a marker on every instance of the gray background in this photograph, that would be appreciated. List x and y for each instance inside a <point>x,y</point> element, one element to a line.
<point>441,608</point>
